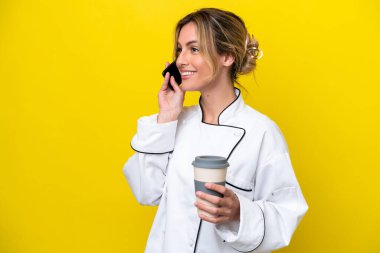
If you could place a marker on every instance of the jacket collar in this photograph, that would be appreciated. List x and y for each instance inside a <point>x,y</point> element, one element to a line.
<point>229,111</point>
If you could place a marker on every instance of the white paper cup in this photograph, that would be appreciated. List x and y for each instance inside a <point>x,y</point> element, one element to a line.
<point>209,169</point>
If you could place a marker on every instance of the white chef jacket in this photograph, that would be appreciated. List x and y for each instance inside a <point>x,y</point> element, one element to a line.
<point>260,173</point>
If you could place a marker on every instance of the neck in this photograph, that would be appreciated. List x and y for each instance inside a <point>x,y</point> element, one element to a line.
<point>215,99</point>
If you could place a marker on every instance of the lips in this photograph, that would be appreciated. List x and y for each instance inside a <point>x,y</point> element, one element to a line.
<point>186,70</point>
<point>187,73</point>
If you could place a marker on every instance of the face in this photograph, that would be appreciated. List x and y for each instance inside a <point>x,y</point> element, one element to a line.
<point>195,72</point>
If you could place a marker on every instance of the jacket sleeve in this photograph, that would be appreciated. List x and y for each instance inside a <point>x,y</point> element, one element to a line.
<point>269,220</point>
<point>145,171</point>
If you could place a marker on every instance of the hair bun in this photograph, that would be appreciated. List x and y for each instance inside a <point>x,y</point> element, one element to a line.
<point>252,53</point>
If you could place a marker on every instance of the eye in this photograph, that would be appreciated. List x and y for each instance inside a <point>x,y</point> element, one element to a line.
<point>194,49</point>
<point>178,49</point>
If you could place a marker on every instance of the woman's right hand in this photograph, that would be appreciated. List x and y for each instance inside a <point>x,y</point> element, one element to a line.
<point>170,101</point>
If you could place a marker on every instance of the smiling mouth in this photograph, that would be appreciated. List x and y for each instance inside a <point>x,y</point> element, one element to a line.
<point>187,73</point>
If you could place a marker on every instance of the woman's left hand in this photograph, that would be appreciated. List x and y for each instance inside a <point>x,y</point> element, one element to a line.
<point>228,207</point>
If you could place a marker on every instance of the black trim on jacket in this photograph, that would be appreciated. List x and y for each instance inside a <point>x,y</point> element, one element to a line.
<point>200,223</point>
<point>148,152</point>
<point>261,239</point>
<point>238,187</point>
<point>196,240</point>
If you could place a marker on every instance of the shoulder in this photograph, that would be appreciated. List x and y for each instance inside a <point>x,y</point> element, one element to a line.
<point>251,118</point>
<point>259,126</point>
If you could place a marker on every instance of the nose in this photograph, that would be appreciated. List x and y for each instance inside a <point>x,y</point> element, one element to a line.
<point>182,60</point>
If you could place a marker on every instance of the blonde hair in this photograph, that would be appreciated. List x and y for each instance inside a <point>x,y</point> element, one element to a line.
<point>222,32</point>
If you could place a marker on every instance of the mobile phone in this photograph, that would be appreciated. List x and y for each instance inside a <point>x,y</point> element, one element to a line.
<point>173,70</point>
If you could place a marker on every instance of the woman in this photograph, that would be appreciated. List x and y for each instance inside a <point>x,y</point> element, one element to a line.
<point>262,203</point>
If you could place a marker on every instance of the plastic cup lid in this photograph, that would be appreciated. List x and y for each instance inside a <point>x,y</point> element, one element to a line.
<point>210,162</point>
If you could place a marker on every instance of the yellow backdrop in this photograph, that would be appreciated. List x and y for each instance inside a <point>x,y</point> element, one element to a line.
<point>76,75</point>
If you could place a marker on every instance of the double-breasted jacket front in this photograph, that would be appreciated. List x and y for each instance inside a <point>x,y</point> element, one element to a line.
<point>260,173</point>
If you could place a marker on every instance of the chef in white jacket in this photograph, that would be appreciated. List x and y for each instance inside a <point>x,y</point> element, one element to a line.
<point>263,202</point>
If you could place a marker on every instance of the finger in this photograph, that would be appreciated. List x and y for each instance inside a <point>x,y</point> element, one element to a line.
<point>167,64</point>
<point>174,84</point>
<point>213,210</point>
<point>219,188</point>
<point>215,220</point>
<point>207,208</point>
<point>166,81</point>
<point>210,198</point>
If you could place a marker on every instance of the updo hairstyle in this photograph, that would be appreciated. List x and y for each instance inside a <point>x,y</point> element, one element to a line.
<point>222,32</point>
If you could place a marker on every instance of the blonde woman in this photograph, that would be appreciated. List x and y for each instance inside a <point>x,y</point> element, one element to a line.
<point>263,202</point>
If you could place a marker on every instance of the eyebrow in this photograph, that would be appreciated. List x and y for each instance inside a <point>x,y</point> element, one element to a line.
<point>188,43</point>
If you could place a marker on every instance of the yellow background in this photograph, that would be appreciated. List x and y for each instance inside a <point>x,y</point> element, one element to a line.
<point>76,75</point>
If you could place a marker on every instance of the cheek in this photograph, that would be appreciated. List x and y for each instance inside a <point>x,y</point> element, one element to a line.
<point>205,74</point>
<point>204,70</point>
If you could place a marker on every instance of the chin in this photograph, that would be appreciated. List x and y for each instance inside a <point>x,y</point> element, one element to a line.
<point>191,86</point>
<point>186,88</point>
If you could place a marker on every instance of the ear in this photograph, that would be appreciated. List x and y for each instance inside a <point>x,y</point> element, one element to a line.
<point>227,60</point>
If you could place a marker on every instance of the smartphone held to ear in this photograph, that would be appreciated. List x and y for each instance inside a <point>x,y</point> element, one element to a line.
<point>173,70</point>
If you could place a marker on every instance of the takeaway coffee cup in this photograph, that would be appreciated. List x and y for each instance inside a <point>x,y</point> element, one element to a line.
<point>209,169</point>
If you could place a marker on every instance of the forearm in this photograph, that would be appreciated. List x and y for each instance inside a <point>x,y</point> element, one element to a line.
<point>146,176</point>
<point>146,169</point>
